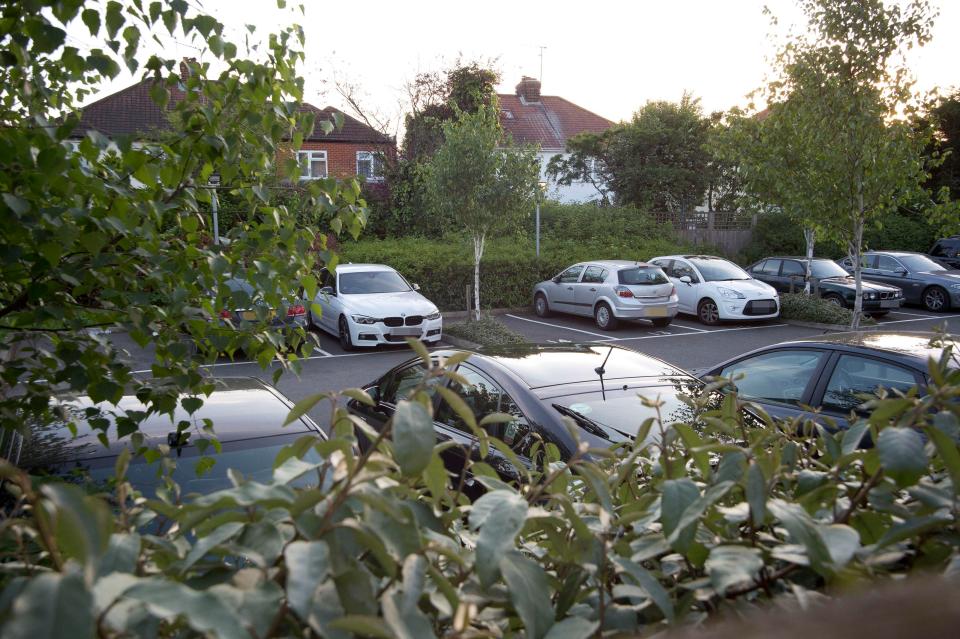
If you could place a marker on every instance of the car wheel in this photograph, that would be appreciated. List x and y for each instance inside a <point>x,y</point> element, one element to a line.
<point>346,343</point>
<point>662,322</point>
<point>708,313</point>
<point>833,298</point>
<point>604,317</point>
<point>540,305</point>
<point>935,299</point>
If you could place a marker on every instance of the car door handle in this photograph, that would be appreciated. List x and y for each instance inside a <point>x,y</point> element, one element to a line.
<point>569,288</point>
<point>593,290</point>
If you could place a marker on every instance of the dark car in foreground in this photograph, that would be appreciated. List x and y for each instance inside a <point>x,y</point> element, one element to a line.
<point>946,252</point>
<point>922,280</point>
<point>247,417</point>
<point>597,386</point>
<point>831,373</point>
<point>833,282</point>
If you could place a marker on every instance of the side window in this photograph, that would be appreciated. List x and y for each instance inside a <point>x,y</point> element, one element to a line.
<point>516,434</point>
<point>327,279</point>
<point>780,376</point>
<point>792,268</point>
<point>481,395</point>
<point>402,383</point>
<point>854,375</point>
<point>680,269</point>
<point>939,250</point>
<point>771,267</point>
<point>571,275</point>
<point>887,263</point>
<point>666,265</point>
<point>594,275</point>
<point>866,261</point>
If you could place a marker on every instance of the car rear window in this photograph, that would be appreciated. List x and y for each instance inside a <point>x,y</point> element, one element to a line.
<point>642,275</point>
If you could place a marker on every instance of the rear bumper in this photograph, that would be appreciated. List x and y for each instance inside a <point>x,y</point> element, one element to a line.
<point>649,311</point>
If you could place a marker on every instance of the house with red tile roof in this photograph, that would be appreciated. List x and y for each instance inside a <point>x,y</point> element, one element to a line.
<point>548,121</point>
<point>354,149</point>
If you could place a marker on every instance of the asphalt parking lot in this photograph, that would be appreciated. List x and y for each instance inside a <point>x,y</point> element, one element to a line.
<point>685,343</point>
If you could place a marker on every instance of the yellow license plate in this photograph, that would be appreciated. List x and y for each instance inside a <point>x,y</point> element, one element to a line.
<point>657,311</point>
<point>248,316</point>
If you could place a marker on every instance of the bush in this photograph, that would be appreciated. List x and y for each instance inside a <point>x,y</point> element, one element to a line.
<point>807,308</point>
<point>487,331</point>
<point>719,515</point>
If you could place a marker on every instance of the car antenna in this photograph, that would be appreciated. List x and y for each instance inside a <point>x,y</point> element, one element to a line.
<point>600,370</point>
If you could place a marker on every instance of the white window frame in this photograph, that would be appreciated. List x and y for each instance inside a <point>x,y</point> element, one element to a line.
<point>373,165</point>
<point>306,158</point>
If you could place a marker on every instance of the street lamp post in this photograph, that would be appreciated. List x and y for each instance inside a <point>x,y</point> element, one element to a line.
<point>541,187</point>
<point>214,182</point>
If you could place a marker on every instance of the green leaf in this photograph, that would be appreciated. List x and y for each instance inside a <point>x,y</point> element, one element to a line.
<point>902,454</point>
<point>573,628</point>
<point>649,583</point>
<point>91,18</point>
<point>401,608</point>
<point>529,593</point>
<point>803,530</point>
<point>201,610</point>
<point>52,606</point>
<point>413,437</point>
<point>756,494</point>
<point>308,563</point>
<point>500,515</point>
<point>947,450</point>
<point>114,18</point>
<point>363,625</point>
<point>730,566</point>
<point>82,522</point>
<point>842,542</point>
<point>304,406</point>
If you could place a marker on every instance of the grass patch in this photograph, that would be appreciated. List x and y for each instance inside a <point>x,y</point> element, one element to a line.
<point>487,331</point>
<point>807,308</point>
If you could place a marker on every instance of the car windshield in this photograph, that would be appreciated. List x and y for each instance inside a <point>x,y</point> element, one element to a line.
<point>715,269</point>
<point>822,269</point>
<point>641,275</point>
<point>363,282</point>
<point>919,263</point>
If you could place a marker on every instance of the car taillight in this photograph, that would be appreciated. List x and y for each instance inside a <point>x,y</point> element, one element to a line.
<point>673,291</point>
<point>623,291</point>
<point>225,314</point>
<point>296,310</point>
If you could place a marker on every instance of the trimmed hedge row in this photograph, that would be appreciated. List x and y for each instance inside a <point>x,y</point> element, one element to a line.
<point>509,268</point>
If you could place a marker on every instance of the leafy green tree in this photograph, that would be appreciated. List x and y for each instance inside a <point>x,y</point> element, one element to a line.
<point>836,148</point>
<point>945,117</point>
<point>482,180</point>
<point>114,234</point>
<point>585,162</point>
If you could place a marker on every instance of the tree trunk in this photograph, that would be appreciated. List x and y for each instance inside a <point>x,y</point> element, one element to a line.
<point>856,248</point>
<point>478,241</point>
<point>810,235</point>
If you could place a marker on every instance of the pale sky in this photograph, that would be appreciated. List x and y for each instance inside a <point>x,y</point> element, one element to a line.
<point>607,56</point>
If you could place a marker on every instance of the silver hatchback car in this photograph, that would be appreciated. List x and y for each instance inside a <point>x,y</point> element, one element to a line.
<point>609,291</point>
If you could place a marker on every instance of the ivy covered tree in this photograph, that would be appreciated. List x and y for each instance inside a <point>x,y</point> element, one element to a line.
<point>480,180</point>
<point>109,232</point>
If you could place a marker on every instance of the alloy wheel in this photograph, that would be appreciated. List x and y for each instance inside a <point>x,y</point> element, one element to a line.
<point>935,299</point>
<point>709,313</point>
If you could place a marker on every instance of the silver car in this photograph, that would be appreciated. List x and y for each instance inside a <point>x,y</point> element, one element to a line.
<point>609,291</point>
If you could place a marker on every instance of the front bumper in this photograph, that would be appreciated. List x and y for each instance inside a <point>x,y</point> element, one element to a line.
<point>755,309</point>
<point>379,333</point>
<point>891,304</point>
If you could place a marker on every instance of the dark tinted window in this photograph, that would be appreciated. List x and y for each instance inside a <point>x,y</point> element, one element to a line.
<point>792,267</point>
<point>666,265</point>
<point>887,263</point>
<point>681,269</point>
<point>718,270</point>
<point>769,267</point>
<point>939,250</point>
<point>571,275</point>
<point>920,263</point>
<point>362,282</point>
<point>822,269</point>
<point>780,376</point>
<point>641,275</point>
<point>854,375</point>
<point>481,395</point>
<point>594,275</point>
<point>400,385</point>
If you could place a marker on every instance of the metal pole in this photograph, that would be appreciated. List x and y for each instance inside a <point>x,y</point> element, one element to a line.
<point>216,222</point>
<point>538,227</point>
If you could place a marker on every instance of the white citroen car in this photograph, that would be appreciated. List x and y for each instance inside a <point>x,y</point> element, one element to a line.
<point>371,304</point>
<point>716,289</point>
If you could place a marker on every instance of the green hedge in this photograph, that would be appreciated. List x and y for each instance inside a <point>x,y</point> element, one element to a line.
<point>487,331</point>
<point>806,308</point>
<point>509,268</point>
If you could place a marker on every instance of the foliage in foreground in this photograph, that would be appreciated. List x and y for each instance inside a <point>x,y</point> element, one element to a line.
<point>807,308</point>
<point>486,331</point>
<point>719,513</point>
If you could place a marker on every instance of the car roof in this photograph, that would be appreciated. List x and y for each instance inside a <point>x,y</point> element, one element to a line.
<point>917,346</point>
<point>545,365</point>
<point>618,264</point>
<point>241,408</point>
<point>793,257</point>
<point>357,268</point>
<point>894,253</point>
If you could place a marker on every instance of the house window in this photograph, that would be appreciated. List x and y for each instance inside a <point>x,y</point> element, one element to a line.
<point>313,164</point>
<point>370,166</point>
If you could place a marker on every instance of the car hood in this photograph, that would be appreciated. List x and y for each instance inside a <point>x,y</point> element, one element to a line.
<point>750,288</point>
<point>850,282</point>
<point>404,304</point>
<point>942,277</point>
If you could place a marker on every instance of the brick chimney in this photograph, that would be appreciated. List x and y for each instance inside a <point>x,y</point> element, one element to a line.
<point>529,89</point>
<point>185,69</point>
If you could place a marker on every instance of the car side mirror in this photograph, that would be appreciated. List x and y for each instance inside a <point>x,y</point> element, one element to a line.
<point>556,279</point>
<point>901,271</point>
<point>686,280</point>
<point>416,286</point>
<point>328,290</point>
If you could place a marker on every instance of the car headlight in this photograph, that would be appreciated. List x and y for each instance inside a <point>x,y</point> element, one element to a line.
<point>730,293</point>
<point>363,319</point>
<point>432,316</point>
<point>871,296</point>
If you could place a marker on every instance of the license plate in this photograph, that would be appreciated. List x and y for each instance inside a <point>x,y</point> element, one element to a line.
<point>656,311</point>
<point>889,303</point>
<point>410,332</point>
<point>248,316</point>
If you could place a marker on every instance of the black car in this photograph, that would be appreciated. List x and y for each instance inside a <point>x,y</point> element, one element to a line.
<point>830,372</point>
<point>247,417</point>
<point>947,252</point>
<point>923,281</point>
<point>834,283</point>
<point>595,385</point>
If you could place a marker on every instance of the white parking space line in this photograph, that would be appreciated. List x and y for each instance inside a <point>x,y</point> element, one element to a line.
<point>565,328</point>
<point>322,352</point>
<point>690,328</point>
<point>719,330</point>
<point>914,314</point>
<point>923,319</point>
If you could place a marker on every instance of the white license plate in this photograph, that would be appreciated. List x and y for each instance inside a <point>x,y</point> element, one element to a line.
<point>889,303</point>
<point>407,332</point>
<point>656,311</point>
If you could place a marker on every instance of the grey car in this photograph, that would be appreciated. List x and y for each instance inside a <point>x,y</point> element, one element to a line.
<point>922,280</point>
<point>609,291</point>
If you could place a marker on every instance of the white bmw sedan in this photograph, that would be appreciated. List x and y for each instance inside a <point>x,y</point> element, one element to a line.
<point>371,304</point>
<point>716,289</point>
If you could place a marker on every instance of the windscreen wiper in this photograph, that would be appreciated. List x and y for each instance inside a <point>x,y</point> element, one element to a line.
<point>585,422</point>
